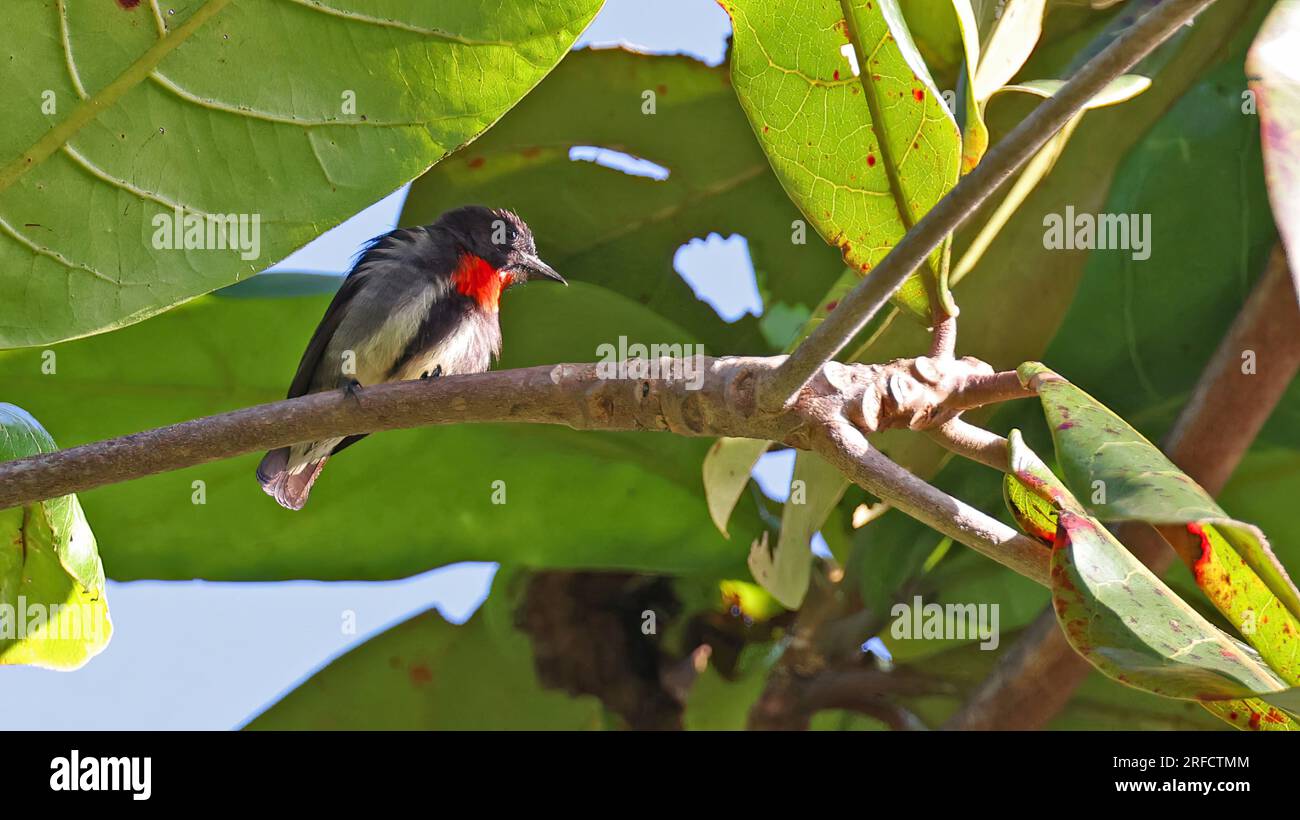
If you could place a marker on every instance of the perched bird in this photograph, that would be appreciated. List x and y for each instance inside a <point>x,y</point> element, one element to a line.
<point>419,303</point>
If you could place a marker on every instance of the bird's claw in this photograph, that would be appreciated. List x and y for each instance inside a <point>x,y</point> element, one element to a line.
<point>351,388</point>
<point>437,371</point>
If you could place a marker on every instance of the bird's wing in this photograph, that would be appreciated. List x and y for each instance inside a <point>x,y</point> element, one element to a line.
<point>334,314</point>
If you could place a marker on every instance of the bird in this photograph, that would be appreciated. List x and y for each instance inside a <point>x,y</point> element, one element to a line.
<point>419,303</point>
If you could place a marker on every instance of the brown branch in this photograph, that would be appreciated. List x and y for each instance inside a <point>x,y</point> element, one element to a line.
<point>1037,676</point>
<point>831,414</point>
<point>943,344</point>
<point>951,212</point>
<point>973,442</point>
<point>791,700</point>
<point>847,449</point>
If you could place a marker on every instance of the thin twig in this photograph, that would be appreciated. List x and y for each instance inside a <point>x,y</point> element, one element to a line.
<point>846,448</point>
<point>951,212</point>
<point>943,344</point>
<point>973,442</point>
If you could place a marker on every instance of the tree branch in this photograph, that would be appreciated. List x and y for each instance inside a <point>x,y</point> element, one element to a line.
<point>973,442</point>
<point>951,212</point>
<point>1037,676</point>
<point>710,397</point>
<point>847,449</point>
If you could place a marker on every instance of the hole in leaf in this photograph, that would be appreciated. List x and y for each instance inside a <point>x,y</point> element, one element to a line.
<point>721,273</point>
<point>619,161</point>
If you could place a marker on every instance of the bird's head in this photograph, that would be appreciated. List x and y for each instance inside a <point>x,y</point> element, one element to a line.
<point>496,250</point>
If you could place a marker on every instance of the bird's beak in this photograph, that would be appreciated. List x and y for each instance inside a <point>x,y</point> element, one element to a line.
<point>534,268</point>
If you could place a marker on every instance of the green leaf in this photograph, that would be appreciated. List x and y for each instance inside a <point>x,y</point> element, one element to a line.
<point>1011,36</point>
<point>1274,76</point>
<point>599,225</point>
<point>1005,270</point>
<point>1225,572</point>
<point>1127,623</point>
<point>1131,626</point>
<point>573,499</point>
<point>1121,89</point>
<point>727,468</point>
<point>53,605</point>
<point>1125,477</point>
<point>1253,714</point>
<point>975,134</point>
<point>1033,492</point>
<point>1152,324</point>
<point>124,115</point>
<point>896,149</point>
<point>815,489</point>
<point>427,674</point>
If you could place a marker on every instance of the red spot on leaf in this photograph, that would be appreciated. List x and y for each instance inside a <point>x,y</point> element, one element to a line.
<point>1254,720</point>
<point>661,89</point>
<point>918,94</point>
<point>837,75</point>
<point>831,305</point>
<point>1065,425</point>
<point>420,674</point>
<point>1198,568</point>
<point>128,4</point>
<point>1232,716</point>
<point>476,162</point>
<point>871,160</point>
<point>531,152</point>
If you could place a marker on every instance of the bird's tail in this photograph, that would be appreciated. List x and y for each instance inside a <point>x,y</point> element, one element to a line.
<point>288,486</point>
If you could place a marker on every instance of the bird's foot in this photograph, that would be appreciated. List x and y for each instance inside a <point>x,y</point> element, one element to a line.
<point>435,373</point>
<point>351,388</point>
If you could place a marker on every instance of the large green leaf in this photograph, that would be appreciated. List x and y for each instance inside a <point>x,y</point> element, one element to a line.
<point>1016,275</point>
<point>1274,75</point>
<point>1132,627</point>
<point>575,499</point>
<point>1120,476</point>
<point>1125,621</point>
<point>123,113</point>
<point>620,231</point>
<point>865,146</point>
<point>1152,324</point>
<point>53,605</point>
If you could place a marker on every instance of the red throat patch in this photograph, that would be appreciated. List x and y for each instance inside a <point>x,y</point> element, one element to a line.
<point>476,278</point>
